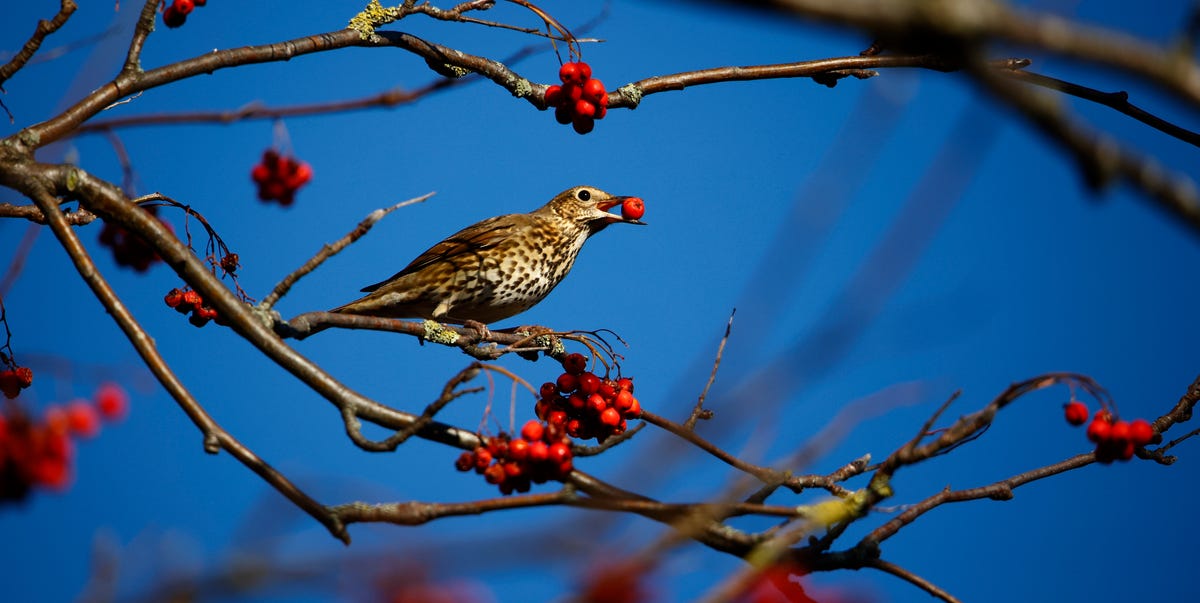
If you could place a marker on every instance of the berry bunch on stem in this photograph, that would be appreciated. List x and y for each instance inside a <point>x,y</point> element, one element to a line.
<point>189,301</point>
<point>129,249</point>
<point>15,379</point>
<point>580,100</point>
<point>538,454</point>
<point>40,452</point>
<point>1115,440</point>
<point>279,177</point>
<point>585,405</point>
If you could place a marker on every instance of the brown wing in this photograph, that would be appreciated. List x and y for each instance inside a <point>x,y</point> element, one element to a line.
<point>470,240</point>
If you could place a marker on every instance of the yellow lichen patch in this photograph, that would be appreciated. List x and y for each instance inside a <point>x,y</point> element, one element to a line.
<point>373,16</point>
<point>438,333</point>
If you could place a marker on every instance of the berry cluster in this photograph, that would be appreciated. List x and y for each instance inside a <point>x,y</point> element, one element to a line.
<point>40,452</point>
<point>580,100</point>
<point>190,301</point>
<point>128,248</point>
<point>176,14</point>
<point>15,379</point>
<point>584,405</point>
<point>279,177</point>
<point>633,209</point>
<point>541,453</point>
<point>1115,439</point>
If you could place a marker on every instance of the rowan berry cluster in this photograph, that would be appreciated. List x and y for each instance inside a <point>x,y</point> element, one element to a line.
<point>580,100</point>
<point>128,248</point>
<point>585,405</point>
<point>191,301</point>
<point>176,14</point>
<point>279,177</point>
<point>13,380</point>
<point>41,452</point>
<point>1115,439</point>
<point>539,454</point>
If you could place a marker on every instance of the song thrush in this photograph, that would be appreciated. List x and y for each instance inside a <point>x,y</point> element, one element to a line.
<point>496,268</point>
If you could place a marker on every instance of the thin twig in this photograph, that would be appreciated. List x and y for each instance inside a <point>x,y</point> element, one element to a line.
<point>1118,101</point>
<point>330,249</point>
<point>43,29</point>
<point>915,580</point>
<point>698,410</point>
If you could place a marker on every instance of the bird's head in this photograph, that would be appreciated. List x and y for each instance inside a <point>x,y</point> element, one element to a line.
<point>587,206</point>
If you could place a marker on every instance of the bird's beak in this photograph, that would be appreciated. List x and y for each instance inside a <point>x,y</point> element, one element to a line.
<point>608,204</point>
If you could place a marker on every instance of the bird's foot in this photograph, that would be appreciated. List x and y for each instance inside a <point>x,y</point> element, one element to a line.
<point>481,330</point>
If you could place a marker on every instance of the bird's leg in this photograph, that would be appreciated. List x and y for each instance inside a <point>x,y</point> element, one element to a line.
<point>481,329</point>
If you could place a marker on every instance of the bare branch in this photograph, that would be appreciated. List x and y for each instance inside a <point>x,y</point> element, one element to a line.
<point>329,250</point>
<point>43,29</point>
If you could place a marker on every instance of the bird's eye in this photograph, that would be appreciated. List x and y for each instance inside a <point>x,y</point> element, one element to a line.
<point>584,195</point>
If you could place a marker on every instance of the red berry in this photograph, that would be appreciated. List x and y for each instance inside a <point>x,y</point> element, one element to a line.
<point>483,457</point>
<point>584,108</point>
<point>569,72</point>
<point>1099,429</point>
<point>1140,432</point>
<point>260,174</point>
<point>8,384</point>
<point>564,468</point>
<point>173,297</point>
<point>596,403</point>
<point>554,96</point>
<point>567,382</point>
<point>575,363</point>
<point>548,391</point>
<point>633,208</point>
<point>556,418</point>
<point>610,417</point>
<point>601,111</point>
<point>583,125</point>
<point>589,383</point>
<point>625,383</point>
<point>191,300</point>
<point>533,431</point>
<point>518,450</point>
<point>635,410</point>
<point>24,376</point>
<point>173,18</point>
<point>112,401</point>
<point>465,462</point>
<point>624,401</point>
<point>1076,412</point>
<point>593,90</point>
<point>184,7</point>
<point>494,474</point>
<point>585,71</point>
<point>577,401</point>
<point>575,428</point>
<point>299,176</point>
<point>538,451</point>
<point>197,320</point>
<point>1119,433</point>
<point>82,419</point>
<point>572,93</point>
<point>562,114</point>
<point>56,419</point>
<point>512,470</point>
<point>559,452</point>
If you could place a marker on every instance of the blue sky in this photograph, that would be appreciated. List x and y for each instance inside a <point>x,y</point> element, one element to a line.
<point>770,197</point>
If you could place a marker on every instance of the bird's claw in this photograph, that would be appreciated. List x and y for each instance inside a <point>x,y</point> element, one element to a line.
<point>481,330</point>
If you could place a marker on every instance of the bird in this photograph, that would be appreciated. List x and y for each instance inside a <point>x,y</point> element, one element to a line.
<point>496,268</point>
